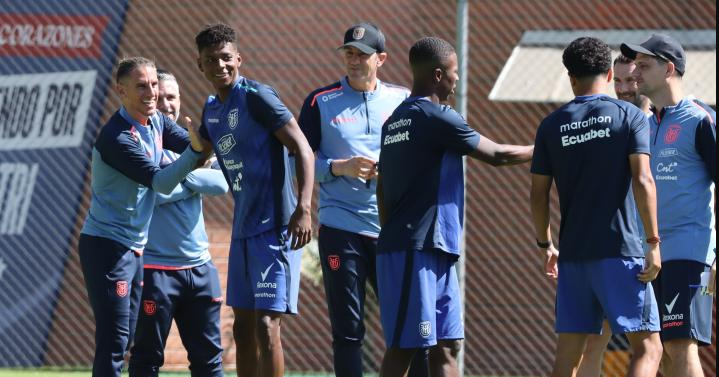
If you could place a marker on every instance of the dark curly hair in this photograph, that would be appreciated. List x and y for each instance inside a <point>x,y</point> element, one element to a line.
<point>430,52</point>
<point>215,34</point>
<point>587,57</point>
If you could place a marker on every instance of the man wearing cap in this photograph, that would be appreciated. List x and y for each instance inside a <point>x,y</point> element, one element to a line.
<point>343,123</point>
<point>683,146</point>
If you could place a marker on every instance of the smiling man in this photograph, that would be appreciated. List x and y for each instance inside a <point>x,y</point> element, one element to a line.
<point>126,174</point>
<point>252,131</point>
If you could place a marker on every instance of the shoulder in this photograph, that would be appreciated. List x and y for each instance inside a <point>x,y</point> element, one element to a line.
<point>700,110</point>
<point>323,94</point>
<point>395,90</point>
<point>116,129</point>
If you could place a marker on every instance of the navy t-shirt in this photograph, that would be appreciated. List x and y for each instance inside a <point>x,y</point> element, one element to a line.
<point>254,161</point>
<point>585,146</point>
<point>422,179</point>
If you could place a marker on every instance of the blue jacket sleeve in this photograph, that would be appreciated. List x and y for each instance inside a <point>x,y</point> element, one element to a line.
<point>706,144</point>
<point>207,182</point>
<point>180,192</point>
<point>310,122</point>
<point>165,180</point>
<point>121,149</point>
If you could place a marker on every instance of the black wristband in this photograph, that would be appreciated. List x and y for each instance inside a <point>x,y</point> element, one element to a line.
<point>544,245</point>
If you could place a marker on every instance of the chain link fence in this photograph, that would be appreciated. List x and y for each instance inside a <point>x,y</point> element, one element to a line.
<point>515,78</point>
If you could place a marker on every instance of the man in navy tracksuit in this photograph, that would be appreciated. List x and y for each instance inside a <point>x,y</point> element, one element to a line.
<point>343,123</point>
<point>181,281</point>
<point>126,174</point>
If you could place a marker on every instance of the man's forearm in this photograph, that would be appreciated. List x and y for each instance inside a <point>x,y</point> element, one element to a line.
<point>540,215</point>
<point>514,154</point>
<point>304,164</point>
<point>646,198</point>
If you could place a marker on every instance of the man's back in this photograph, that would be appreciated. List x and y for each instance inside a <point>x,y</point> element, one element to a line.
<point>584,145</point>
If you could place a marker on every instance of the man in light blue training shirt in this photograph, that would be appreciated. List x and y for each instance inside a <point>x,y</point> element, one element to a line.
<point>126,174</point>
<point>683,144</point>
<point>343,123</point>
<point>181,281</point>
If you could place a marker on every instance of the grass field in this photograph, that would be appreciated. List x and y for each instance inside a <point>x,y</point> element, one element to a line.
<point>86,373</point>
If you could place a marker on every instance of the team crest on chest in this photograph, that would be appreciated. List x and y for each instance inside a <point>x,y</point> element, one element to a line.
<point>672,134</point>
<point>358,33</point>
<point>233,118</point>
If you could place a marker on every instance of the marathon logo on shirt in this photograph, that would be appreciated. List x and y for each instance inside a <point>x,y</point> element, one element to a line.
<point>17,183</point>
<point>51,35</point>
<point>399,137</point>
<point>584,124</point>
<point>42,111</point>
<point>585,137</point>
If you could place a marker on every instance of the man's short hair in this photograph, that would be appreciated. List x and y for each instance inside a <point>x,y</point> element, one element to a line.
<point>622,59</point>
<point>587,57</point>
<point>431,52</point>
<point>215,34</point>
<point>165,75</point>
<point>127,65</point>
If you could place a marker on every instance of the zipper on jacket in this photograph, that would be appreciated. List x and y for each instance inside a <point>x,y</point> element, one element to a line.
<point>366,108</point>
<point>659,125</point>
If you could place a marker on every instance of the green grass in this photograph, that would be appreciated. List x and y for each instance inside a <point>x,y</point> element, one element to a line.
<point>44,372</point>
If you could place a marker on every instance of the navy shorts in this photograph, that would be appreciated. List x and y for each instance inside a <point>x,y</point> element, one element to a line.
<point>419,298</point>
<point>589,291</point>
<point>264,273</point>
<point>684,305</point>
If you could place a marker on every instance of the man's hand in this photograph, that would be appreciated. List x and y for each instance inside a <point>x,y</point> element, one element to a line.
<point>550,266</point>
<point>653,264</point>
<point>355,167</point>
<point>197,142</point>
<point>711,287</point>
<point>300,228</point>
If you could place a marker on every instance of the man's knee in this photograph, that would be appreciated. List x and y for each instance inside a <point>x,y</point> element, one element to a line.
<point>679,348</point>
<point>450,348</point>
<point>646,345</point>
<point>267,329</point>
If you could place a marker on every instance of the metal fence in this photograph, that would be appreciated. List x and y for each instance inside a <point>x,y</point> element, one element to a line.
<point>515,78</point>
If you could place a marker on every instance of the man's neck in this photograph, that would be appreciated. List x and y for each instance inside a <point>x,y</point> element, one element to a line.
<point>667,96</point>
<point>224,92</point>
<point>363,85</point>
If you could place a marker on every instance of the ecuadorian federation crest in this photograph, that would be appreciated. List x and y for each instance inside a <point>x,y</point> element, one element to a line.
<point>358,33</point>
<point>233,118</point>
<point>425,329</point>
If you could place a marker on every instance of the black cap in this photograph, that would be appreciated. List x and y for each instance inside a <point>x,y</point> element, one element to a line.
<point>366,37</point>
<point>661,46</point>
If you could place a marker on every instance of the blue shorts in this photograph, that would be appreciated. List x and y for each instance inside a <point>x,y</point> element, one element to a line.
<point>264,273</point>
<point>419,298</point>
<point>589,291</point>
<point>684,304</point>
